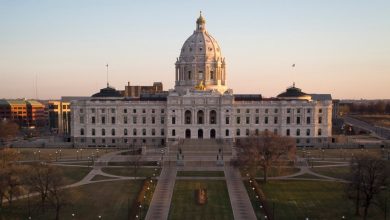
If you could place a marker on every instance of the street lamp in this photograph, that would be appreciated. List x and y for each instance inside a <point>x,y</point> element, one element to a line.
<point>323,152</point>
<point>77,154</point>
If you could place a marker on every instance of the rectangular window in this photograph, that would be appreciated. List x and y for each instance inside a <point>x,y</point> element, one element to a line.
<point>307,132</point>
<point>308,120</point>
<point>298,120</point>
<point>93,120</point>
<point>103,132</point>
<point>227,120</point>
<point>103,110</point>
<point>134,120</point>
<point>288,120</point>
<point>162,111</point>
<point>275,120</point>
<point>257,110</point>
<point>153,120</point>
<point>143,111</point>
<point>319,120</point>
<point>309,110</point>
<point>298,110</point>
<point>162,120</point>
<point>103,120</point>
<point>266,111</point>
<point>125,119</point>
<point>238,120</point>
<point>266,120</point>
<point>257,119</point>
<point>92,110</point>
<point>320,110</point>
<point>319,132</point>
<point>125,110</point>
<point>81,119</point>
<point>275,110</point>
<point>162,132</point>
<point>289,110</point>
<point>134,111</point>
<point>238,110</point>
<point>247,111</point>
<point>247,120</point>
<point>173,121</point>
<point>153,111</point>
<point>288,132</point>
<point>113,110</point>
<point>143,120</point>
<point>173,132</point>
<point>112,120</point>
<point>153,132</point>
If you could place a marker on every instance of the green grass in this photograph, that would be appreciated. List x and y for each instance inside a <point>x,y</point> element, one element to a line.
<point>108,199</point>
<point>307,176</point>
<point>299,199</point>
<point>336,172</point>
<point>130,171</point>
<point>101,177</point>
<point>201,173</point>
<point>184,206</point>
<point>275,171</point>
<point>66,153</point>
<point>73,174</point>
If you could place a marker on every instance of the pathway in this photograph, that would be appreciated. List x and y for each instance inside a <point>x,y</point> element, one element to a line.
<point>161,201</point>
<point>239,199</point>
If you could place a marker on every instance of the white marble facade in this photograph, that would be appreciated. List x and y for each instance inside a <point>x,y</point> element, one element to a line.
<point>200,107</point>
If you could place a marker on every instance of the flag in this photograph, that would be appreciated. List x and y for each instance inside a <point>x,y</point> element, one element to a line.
<point>293,65</point>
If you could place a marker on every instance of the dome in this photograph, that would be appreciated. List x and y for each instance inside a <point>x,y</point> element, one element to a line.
<point>200,64</point>
<point>107,92</point>
<point>294,93</point>
<point>200,45</point>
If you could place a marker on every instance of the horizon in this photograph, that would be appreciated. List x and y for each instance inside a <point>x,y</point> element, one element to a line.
<point>339,48</point>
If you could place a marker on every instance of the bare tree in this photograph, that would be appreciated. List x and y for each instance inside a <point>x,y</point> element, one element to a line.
<point>263,151</point>
<point>57,196</point>
<point>368,175</point>
<point>8,130</point>
<point>10,174</point>
<point>39,178</point>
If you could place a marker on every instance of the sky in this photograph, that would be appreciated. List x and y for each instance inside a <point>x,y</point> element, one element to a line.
<point>50,49</point>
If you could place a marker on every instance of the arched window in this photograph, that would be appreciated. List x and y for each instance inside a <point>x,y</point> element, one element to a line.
<point>213,117</point>
<point>212,75</point>
<point>288,132</point>
<point>319,132</point>
<point>187,117</point>
<point>200,117</point>
<point>82,131</point>
<point>113,132</point>
<point>307,132</point>
<point>125,131</point>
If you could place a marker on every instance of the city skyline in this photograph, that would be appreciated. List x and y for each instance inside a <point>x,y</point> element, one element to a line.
<point>337,47</point>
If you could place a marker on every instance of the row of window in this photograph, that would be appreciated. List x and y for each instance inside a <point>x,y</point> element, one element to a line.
<point>125,120</point>
<point>113,110</point>
<point>247,132</point>
<point>288,110</point>
<point>125,132</point>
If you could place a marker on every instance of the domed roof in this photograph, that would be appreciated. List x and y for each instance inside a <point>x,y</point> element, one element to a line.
<point>294,93</point>
<point>107,92</point>
<point>200,44</point>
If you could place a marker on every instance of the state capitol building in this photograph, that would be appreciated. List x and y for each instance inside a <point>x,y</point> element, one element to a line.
<point>201,106</point>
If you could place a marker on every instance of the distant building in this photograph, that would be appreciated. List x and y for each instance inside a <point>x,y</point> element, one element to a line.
<point>59,117</point>
<point>27,113</point>
<point>136,91</point>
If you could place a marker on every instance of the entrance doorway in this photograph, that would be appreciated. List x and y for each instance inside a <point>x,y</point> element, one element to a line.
<point>188,133</point>
<point>212,133</point>
<point>200,134</point>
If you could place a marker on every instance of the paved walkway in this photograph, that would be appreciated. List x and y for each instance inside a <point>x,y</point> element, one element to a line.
<point>239,199</point>
<point>162,196</point>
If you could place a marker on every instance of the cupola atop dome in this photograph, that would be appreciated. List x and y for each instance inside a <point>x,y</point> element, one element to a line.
<point>201,23</point>
<point>200,62</point>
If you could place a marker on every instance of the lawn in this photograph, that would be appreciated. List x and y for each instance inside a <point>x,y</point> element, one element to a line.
<point>130,171</point>
<point>275,171</point>
<point>201,173</point>
<point>342,153</point>
<point>299,199</point>
<point>62,153</point>
<point>184,206</point>
<point>336,172</point>
<point>73,174</point>
<point>107,199</point>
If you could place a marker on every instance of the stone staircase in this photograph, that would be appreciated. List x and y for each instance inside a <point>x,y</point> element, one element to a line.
<point>200,152</point>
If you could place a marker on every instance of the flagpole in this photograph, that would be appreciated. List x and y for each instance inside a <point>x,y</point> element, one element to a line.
<point>107,75</point>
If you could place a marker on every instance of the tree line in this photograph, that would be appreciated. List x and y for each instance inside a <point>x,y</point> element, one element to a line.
<point>35,180</point>
<point>378,107</point>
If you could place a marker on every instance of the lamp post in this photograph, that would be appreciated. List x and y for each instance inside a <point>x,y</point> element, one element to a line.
<point>56,155</point>
<point>60,154</point>
<point>77,154</point>
<point>323,154</point>
<point>39,154</point>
